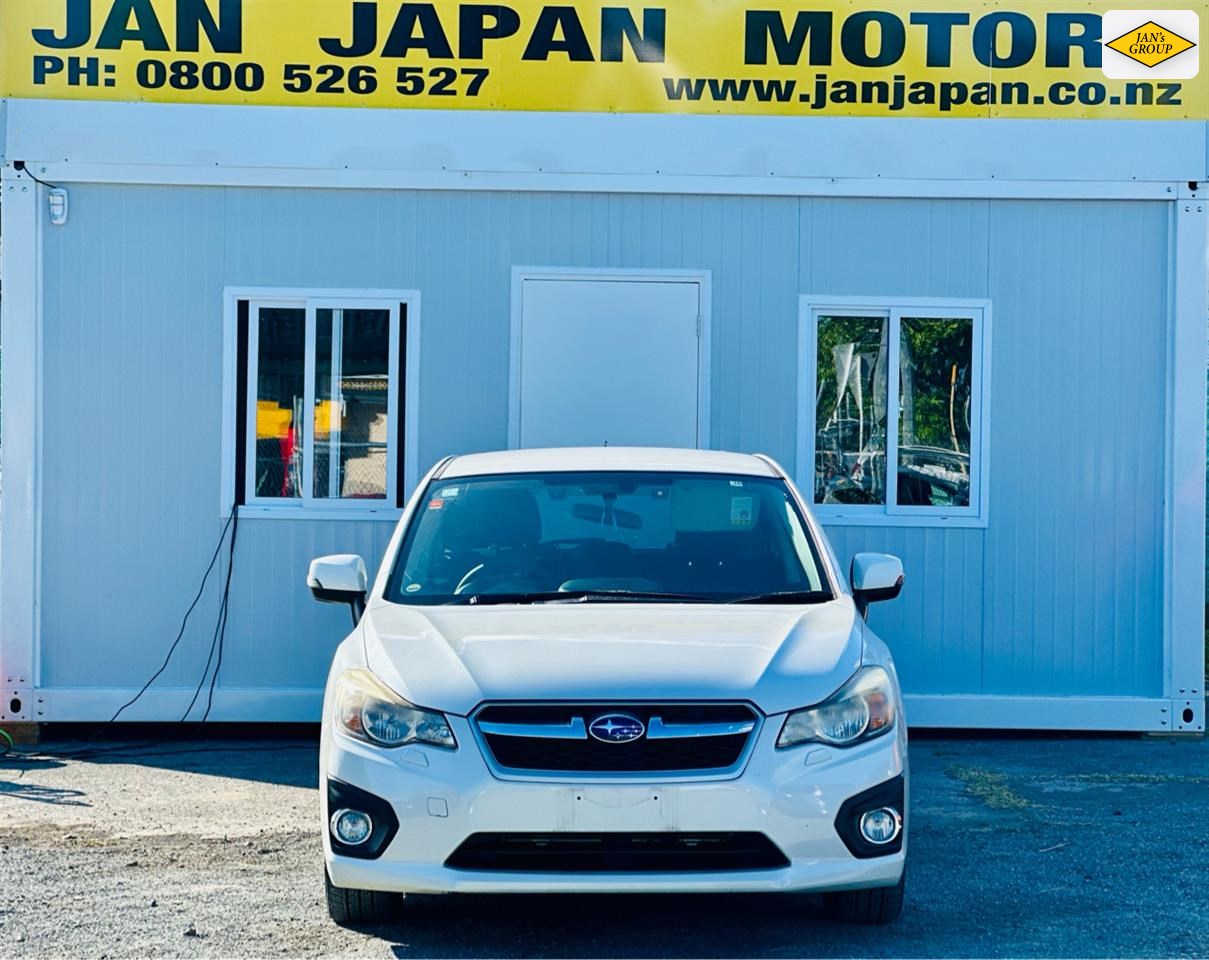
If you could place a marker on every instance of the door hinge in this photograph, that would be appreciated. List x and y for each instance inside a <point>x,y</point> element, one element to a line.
<point>698,325</point>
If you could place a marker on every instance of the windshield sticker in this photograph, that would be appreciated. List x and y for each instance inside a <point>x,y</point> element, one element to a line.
<point>740,511</point>
<point>436,503</point>
<point>414,588</point>
<point>736,483</point>
<point>448,493</point>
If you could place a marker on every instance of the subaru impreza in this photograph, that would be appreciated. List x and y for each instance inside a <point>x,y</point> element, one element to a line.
<point>611,670</point>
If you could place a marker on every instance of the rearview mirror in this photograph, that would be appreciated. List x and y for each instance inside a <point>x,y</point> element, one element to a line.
<point>874,577</point>
<point>623,519</point>
<point>339,578</point>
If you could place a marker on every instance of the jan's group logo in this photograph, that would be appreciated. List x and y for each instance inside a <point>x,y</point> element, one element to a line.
<point>1145,44</point>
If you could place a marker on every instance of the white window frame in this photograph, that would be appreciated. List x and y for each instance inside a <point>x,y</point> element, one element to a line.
<point>894,309</point>
<point>308,506</point>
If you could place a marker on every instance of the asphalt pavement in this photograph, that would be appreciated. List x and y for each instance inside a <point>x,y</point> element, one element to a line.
<point>1062,847</point>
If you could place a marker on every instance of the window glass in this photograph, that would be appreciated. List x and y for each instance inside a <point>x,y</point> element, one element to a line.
<point>926,411</point>
<point>319,429</point>
<point>352,357</point>
<point>850,410</point>
<point>934,412</point>
<point>280,378</point>
<point>705,536</point>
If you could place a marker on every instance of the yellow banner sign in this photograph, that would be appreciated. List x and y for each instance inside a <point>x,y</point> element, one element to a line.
<point>944,58</point>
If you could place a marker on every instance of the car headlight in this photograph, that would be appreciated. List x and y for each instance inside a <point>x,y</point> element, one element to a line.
<point>369,710</point>
<point>862,708</point>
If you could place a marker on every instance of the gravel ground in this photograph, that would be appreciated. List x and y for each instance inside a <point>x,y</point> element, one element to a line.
<point>208,848</point>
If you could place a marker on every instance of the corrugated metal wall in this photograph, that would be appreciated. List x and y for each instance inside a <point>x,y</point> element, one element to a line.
<point>1059,595</point>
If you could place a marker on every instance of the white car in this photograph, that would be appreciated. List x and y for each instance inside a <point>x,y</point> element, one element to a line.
<point>611,670</point>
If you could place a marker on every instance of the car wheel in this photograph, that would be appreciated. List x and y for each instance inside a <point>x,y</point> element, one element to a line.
<point>877,905</point>
<point>354,908</point>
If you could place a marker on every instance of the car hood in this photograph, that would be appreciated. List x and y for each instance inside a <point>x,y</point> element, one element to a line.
<point>454,658</point>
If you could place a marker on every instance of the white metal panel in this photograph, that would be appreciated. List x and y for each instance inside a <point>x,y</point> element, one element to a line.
<point>1039,713</point>
<point>1061,597</point>
<point>270,702</point>
<point>607,362</point>
<point>21,223</point>
<point>608,145</point>
<point>351,178</point>
<point>1061,594</point>
<point>1073,604</point>
<point>1184,581</point>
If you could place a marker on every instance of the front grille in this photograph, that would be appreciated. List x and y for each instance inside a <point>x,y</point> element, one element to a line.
<point>616,852</point>
<point>571,749</point>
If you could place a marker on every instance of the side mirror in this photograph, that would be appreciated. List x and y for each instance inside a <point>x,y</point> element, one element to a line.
<point>339,578</point>
<point>874,577</point>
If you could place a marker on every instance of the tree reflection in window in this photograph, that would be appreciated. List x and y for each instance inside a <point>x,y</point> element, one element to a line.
<point>934,412</point>
<point>850,410</point>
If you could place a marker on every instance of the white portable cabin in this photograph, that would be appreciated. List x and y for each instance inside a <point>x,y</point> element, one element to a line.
<point>538,277</point>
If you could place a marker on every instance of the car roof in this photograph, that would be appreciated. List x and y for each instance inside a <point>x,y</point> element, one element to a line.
<point>572,459</point>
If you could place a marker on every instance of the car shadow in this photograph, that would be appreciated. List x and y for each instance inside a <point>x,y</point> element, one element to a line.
<point>626,925</point>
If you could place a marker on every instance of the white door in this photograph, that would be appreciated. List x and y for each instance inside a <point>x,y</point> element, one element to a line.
<point>607,361</point>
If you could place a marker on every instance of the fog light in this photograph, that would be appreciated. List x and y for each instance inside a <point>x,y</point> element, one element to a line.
<point>351,826</point>
<point>881,825</point>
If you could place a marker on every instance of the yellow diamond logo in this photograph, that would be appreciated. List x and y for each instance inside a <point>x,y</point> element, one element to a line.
<point>1150,44</point>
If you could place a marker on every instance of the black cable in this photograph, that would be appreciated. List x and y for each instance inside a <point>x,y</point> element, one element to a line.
<point>85,751</point>
<point>222,636</point>
<point>206,671</point>
<point>220,628</point>
<point>164,666</point>
<point>220,631</point>
<point>21,167</point>
<point>201,682</point>
<point>226,597</point>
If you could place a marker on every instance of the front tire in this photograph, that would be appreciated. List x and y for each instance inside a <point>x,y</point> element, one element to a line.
<point>357,908</point>
<point>874,906</point>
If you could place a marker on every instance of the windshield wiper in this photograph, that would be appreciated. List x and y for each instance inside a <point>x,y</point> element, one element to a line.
<point>786,596</point>
<point>580,596</point>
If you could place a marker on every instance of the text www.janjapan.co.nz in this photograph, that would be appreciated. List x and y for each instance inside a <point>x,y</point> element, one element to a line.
<point>899,93</point>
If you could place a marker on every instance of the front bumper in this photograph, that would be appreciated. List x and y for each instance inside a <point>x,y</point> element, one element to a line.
<point>441,797</point>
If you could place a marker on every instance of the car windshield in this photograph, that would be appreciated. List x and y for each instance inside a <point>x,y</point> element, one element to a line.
<point>599,536</point>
